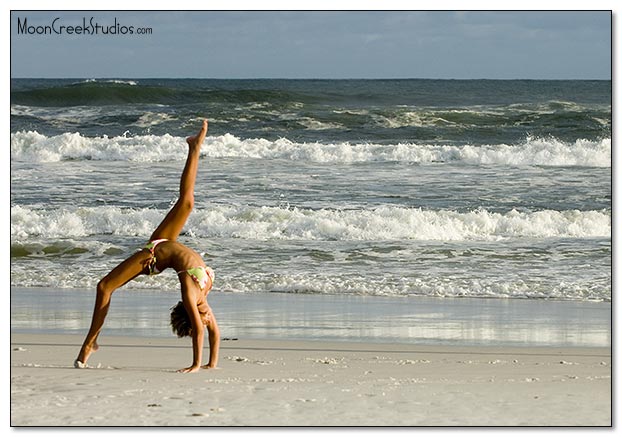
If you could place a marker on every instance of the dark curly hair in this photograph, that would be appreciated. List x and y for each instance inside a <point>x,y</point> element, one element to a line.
<point>180,321</point>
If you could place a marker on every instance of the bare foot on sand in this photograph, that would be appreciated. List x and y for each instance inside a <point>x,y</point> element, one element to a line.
<point>80,362</point>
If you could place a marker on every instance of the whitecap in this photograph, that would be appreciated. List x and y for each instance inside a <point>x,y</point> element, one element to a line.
<point>34,147</point>
<point>383,223</point>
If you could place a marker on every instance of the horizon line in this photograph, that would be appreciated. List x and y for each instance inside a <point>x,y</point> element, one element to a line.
<point>295,78</point>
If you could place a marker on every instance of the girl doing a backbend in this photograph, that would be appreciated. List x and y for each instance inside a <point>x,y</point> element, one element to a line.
<point>192,314</point>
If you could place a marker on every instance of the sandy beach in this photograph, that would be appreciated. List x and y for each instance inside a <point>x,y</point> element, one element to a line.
<point>304,360</point>
<point>133,382</point>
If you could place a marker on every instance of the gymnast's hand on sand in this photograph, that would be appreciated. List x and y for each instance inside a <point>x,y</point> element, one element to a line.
<point>190,369</point>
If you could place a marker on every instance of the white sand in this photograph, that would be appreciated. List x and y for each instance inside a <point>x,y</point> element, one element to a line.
<point>306,383</point>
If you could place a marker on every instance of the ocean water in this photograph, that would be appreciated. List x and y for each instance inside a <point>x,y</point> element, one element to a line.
<point>437,188</point>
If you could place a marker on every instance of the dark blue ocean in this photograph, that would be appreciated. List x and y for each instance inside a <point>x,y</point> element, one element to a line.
<point>443,188</point>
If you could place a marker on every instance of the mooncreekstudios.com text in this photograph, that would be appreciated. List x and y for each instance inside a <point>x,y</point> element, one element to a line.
<point>87,27</point>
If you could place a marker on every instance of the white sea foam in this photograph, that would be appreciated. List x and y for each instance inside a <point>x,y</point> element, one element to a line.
<point>115,81</point>
<point>87,274</point>
<point>152,119</point>
<point>34,147</point>
<point>274,223</point>
<point>423,286</point>
<point>409,118</point>
<point>80,222</point>
<point>544,152</point>
<point>313,124</point>
<point>57,116</point>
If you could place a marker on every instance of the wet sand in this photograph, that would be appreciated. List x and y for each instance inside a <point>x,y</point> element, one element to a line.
<point>408,362</point>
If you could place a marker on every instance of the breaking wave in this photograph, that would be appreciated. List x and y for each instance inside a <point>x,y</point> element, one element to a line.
<point>32,146</point>
<point>276,223</point>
